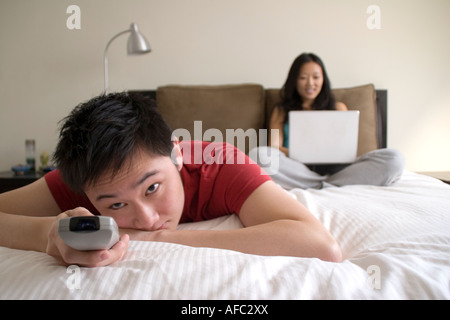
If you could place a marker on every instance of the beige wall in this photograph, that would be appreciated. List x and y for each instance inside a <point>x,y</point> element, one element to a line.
<point>46,69</point>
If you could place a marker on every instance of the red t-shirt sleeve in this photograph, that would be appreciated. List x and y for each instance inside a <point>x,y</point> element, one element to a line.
<point>220,183</point>
<point>234,184</point>
<point>64,196</point>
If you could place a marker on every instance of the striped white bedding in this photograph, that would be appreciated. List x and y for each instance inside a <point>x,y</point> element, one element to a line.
<point>395,240</point>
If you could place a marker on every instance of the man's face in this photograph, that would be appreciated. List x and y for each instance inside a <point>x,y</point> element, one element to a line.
<point>147,194</point>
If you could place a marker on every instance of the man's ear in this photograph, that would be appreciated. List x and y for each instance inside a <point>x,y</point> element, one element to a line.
<point>177,156</point>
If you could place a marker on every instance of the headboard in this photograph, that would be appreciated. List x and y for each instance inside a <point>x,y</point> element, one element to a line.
<point>381,108</point>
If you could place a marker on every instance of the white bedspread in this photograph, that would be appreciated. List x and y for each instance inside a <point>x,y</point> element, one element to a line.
<point>395,240</point>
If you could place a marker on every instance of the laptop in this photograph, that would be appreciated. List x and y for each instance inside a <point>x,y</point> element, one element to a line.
<point>323,137</point>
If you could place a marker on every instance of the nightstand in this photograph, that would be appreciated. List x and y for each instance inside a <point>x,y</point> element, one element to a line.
<point>441,175</point>
<point>10,181</point>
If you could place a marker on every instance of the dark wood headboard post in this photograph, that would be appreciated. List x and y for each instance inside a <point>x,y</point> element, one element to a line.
<point>381,100</point>
<point>382,118</point>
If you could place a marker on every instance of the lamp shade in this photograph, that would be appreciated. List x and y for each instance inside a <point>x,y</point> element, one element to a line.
<point>137,44</point>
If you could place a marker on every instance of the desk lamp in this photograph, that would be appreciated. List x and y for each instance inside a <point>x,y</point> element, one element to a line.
<point>137,44</point>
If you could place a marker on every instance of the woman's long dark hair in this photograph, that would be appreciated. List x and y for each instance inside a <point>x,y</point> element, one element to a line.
<point>291,100</point>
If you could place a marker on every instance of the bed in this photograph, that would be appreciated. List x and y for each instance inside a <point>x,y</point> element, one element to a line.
<point>395,242</point>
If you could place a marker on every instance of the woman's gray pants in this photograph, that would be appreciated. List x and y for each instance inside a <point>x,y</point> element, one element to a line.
<point>380,167</point>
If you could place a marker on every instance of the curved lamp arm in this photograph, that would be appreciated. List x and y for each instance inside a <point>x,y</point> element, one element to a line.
<point>137,44</point>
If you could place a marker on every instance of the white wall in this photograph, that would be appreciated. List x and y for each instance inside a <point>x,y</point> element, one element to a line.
<point>46,69</point>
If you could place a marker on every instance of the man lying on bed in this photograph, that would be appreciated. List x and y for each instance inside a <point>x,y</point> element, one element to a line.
<point>116,157</point>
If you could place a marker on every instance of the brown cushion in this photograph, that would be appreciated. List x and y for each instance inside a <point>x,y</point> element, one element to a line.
<point>362,98</point>
<point>219,107</point>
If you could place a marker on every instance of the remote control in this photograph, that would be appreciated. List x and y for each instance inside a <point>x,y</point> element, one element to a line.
<point>89,232</point>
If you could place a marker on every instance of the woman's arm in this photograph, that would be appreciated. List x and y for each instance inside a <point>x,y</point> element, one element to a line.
<point>277,123</point>
<point>340,106</point>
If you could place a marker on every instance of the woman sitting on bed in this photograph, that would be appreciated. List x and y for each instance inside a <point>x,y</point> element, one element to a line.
<point>308,88</point>
<point>116,157</point>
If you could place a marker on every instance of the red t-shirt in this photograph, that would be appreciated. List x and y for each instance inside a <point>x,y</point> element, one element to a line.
<point>217,179</point>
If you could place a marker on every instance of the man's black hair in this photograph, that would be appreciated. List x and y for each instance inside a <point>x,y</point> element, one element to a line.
<point>102,134</point>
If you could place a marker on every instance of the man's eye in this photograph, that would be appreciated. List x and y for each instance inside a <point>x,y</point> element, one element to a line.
<point>153,188</point>
<point>118,205</point>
